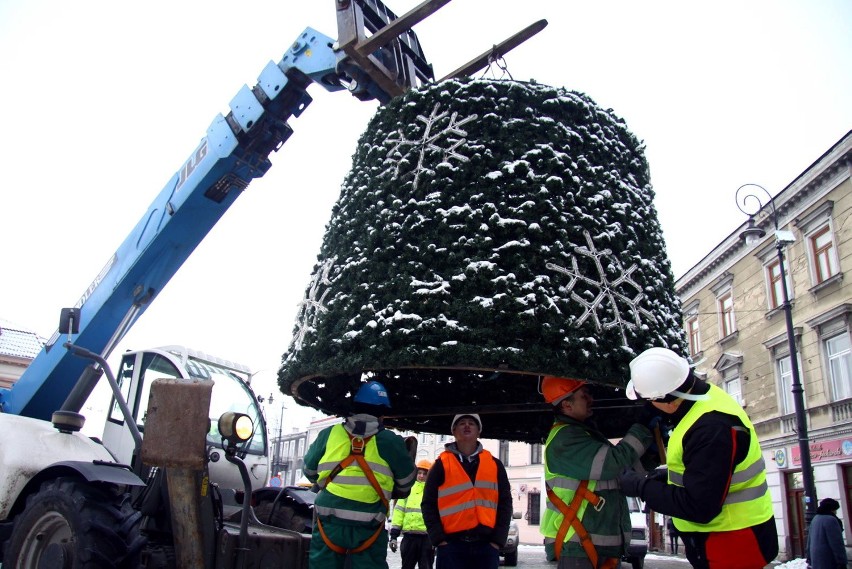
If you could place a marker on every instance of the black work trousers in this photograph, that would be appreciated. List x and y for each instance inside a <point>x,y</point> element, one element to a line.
<point>415,549</point>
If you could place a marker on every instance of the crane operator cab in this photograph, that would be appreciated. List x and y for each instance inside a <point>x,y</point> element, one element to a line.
<point>231,392</point>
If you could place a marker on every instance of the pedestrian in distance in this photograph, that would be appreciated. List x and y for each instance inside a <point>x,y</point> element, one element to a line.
<point>416,549</point>
<point>586,524</point>
<point>672,531</point>
<point>359,467</point>
<point>825,549</point>
<point>467,501</point>
<point>715,484</point>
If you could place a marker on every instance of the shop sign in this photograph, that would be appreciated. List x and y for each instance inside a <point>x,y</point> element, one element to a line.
<point>824,451</point>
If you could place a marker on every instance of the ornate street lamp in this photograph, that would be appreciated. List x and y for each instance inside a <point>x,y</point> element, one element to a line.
<point>746,199</point>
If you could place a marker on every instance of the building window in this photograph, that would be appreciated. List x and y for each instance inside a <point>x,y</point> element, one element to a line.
<point>835,341</point>
<point>779,349</point>
<point>823,254</point>
<point>727,325</point>
<point>504,452</point>
<point>785,384</point>
<point>820,244</point>
<point>838,350</point>
<point>535,453</point>
<point>775,295</point>
<point>729,366</point>
<point>534,508</point>
<point>731,382</point>
<point>693,333</point>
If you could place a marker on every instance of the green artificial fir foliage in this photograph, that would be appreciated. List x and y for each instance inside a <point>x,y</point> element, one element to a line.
<point>489,232</point>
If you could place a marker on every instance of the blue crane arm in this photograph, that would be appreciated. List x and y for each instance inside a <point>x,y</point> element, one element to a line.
<point>377,56</point>
<point>235,150</point>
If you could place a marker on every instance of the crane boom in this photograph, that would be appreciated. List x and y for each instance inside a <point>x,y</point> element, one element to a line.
<point>234,151</point>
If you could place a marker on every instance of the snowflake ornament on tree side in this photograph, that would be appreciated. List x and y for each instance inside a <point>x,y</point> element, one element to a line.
<point>488,233</point>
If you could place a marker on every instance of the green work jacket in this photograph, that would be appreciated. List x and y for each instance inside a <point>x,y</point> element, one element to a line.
<point>574,452</point>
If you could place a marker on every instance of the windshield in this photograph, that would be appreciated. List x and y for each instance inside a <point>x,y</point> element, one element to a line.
<point>229,394</point>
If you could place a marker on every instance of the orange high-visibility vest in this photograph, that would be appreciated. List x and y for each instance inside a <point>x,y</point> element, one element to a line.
<point>463,504</point>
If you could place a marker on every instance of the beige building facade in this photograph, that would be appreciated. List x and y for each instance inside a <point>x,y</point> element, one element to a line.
<point>735,319</point>
<point>18,347</point>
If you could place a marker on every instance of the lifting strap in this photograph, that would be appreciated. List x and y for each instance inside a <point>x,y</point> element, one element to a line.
<point>342,550</point>
<point>356,454</point>
<point>569,519</point>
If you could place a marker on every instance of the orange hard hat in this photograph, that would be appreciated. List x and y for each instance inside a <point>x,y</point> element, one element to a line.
<point>424,464</point>
<point>555,389</point>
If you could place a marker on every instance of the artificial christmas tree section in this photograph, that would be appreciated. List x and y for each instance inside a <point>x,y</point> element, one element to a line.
<point>488,233</point>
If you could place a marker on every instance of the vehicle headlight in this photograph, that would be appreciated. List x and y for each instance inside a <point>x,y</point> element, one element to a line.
<point>235,427</point>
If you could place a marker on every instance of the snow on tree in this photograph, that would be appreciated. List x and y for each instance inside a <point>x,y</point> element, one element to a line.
<point>488,233</point>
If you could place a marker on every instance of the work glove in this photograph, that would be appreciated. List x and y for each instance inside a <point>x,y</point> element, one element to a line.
<point>392,545</point>
<point>631,482</point>
<point>659,475</point>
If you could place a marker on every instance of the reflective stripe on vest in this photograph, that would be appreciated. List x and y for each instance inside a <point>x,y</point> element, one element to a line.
<point>407,515</point>
<point>463,505</point>
<point>565,488</point>
<point>748,502</point>
<point>351,483</point>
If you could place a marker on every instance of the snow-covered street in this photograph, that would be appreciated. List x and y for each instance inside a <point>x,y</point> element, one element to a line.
<point>532,557</point>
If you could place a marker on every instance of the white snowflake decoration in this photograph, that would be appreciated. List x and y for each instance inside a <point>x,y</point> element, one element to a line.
<point>430,139</point>
<point>606,291</point>
<point>311,306</point>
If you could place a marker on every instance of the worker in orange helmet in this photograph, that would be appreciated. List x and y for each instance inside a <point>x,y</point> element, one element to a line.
<point>587,523</point>
<point>416,549</point>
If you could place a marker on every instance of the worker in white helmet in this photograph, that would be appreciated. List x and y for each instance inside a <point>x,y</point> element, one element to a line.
<point>715,488</point>
<point>467,501</point>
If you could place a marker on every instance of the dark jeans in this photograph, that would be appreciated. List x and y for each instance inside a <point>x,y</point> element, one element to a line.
<point>467,555</point>
<point>674,542</point>
<point>415,549</point>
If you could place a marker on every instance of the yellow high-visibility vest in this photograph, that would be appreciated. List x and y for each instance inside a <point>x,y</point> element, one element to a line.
<point>748,502</point>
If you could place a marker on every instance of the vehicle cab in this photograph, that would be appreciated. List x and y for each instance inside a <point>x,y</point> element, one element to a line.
<point>231,392</point>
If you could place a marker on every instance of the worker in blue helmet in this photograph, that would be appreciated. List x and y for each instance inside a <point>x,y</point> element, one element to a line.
<point>359,467</point>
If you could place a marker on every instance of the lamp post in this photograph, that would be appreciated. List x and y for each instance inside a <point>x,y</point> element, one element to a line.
<point>277,459</point>
<point>744,196</point>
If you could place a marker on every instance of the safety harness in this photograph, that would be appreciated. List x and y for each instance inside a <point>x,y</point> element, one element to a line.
<point>570,519</point>
<point>356,454</point>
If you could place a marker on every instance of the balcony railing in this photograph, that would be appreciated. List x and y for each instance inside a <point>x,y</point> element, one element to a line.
<point>788,424</point>
<point>841,410</point>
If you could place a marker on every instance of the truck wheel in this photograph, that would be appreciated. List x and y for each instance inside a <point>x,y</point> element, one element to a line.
<point>511,559</point>
<point>638,562</point>
<point>73,524</point>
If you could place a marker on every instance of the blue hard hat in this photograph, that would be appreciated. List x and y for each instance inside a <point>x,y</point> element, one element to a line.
<point>372,393</point>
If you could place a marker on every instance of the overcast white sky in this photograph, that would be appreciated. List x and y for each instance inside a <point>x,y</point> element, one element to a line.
<point>103,101</point>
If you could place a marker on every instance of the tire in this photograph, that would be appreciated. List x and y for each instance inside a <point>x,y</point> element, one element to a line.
<point>638,562</point>
<point>511,558</point>
<point>72,524</point>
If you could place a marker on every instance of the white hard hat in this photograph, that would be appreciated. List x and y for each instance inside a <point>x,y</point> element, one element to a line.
<point>655,373</point>
<point>473,416</point>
